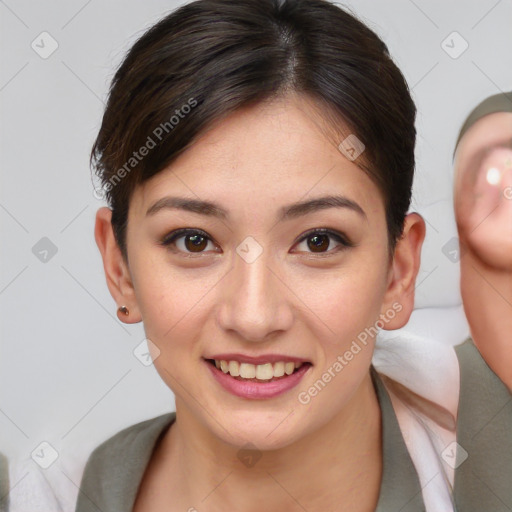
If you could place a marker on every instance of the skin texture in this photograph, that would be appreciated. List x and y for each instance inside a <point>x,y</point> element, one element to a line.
<point>290,300</point>
<point>484,219</point>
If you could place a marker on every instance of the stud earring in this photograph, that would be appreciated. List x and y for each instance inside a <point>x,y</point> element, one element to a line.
<point>124,310</point>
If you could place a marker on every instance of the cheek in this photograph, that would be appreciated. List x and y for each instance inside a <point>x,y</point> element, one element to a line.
<point>345,299</point>
<point>172,308</point>
<point>349,303</point>
<point>170,300</point>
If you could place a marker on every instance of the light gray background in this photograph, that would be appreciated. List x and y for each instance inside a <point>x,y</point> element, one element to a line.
<point>68,375</point>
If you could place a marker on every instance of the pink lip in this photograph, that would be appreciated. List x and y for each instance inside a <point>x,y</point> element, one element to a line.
<point>257,390</point>
<point>269,358</point>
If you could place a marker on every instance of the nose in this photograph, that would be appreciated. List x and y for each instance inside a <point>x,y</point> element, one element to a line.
<point>254,303</point>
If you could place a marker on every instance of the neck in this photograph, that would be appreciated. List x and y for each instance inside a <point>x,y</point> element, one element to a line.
<point>297,477</point>
<point>487,297</point>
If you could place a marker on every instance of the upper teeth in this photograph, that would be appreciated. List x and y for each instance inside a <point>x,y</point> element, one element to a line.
<point>259,371</point>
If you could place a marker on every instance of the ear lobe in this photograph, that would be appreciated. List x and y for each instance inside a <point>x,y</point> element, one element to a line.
<point>403,273</point>
<point>116,269</point>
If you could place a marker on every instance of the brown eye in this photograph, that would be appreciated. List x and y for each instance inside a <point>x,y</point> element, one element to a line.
<point>195,243</point>
<point>320,241</point>
<point>187,241</point>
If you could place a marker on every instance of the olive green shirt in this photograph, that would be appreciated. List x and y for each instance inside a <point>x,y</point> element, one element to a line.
<point>483,481</point>
<point>115,469</point>
<point>4,483</point>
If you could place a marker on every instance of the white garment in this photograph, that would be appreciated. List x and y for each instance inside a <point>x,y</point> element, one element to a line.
<point>430,369</point>
<point>34,489</point>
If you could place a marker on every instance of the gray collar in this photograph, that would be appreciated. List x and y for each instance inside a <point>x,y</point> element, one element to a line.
<point>4,483</point>
<point>114,470</point>
<point>400,488</point>
<point>484,430</point>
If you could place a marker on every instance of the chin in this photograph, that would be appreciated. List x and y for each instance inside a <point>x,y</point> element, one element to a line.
<point>264,432</point>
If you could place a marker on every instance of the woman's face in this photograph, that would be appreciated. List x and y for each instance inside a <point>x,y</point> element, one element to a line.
<point>483,189</point>
<point>250,282</point>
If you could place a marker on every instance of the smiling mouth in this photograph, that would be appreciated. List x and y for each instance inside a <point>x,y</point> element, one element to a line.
<point>267,372</point>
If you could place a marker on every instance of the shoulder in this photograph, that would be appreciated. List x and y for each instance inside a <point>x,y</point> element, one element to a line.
<point>130,440</point>
<point>477,379</point>
<point>4,482</point>
<point>115,468</point>
<point>32,487</point>
<point>467,353</point>
<point>482,393</point>
<point>482,476</point>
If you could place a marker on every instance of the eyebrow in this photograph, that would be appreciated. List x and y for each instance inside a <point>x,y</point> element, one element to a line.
<point>285,213</point>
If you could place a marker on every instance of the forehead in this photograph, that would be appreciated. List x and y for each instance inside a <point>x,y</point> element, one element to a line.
<point>278,150</point>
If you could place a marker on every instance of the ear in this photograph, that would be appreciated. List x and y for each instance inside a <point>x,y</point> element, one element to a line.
<point>117,273</point>
<point>404,268</point>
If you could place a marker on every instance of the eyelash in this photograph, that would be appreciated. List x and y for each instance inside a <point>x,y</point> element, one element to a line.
<point>345,243</point>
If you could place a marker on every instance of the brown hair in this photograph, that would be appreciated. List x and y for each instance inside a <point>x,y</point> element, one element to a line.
<point>209,58</point>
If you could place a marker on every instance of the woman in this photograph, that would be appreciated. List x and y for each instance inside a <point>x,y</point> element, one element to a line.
<point>483,209</point>
<point>258,159</point>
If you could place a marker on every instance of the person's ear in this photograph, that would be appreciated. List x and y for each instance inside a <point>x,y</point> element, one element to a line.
<point>117,273</point>
<point>404,268</point>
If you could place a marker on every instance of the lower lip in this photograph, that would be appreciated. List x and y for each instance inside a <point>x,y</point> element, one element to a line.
<point>257,390</point>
